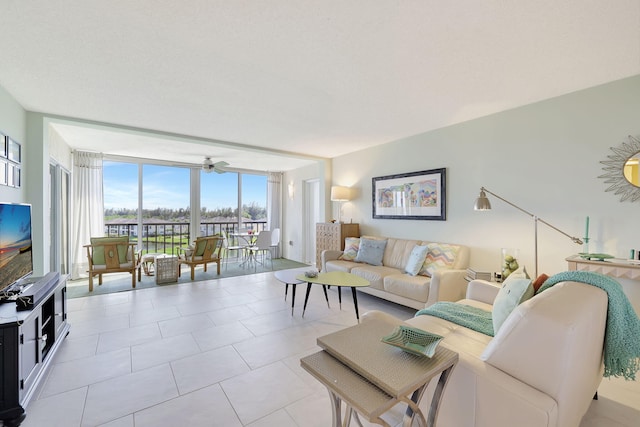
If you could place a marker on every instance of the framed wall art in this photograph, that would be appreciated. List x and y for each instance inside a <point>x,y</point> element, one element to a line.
<point>13,150</point>
<point>3,146</point>
<point>414,195</point>
<point>3,172</point>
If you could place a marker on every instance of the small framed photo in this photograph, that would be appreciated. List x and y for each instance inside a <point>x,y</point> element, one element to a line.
<point>13,150</point>
<point>3,146</point>
<point>17,176</point>
<point>11,170</point>
<point>415,195</point>
<point>3,172</point>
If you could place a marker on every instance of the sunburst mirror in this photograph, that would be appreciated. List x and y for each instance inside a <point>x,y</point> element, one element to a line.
<point>622,170</point>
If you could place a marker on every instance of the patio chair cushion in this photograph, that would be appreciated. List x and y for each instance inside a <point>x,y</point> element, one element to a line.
<point>122,245</point>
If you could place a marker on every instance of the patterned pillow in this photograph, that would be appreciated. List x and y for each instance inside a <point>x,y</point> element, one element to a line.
<point>416,259</point>
<point>440,256</point>
<point>351,245</point>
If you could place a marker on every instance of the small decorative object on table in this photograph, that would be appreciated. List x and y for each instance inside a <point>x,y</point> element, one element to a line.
<point>413,340</point>
<point>311,273</point>
<point>509,262</point>
<point>596,257</point>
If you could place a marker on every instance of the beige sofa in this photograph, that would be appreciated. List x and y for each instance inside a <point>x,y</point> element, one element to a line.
<point>391,282</point>
<point>542,368</point>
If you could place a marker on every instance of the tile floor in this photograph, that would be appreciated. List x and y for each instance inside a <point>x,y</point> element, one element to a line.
<point>217,353</point>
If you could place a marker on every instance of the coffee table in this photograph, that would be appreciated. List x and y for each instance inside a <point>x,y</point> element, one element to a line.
<point>371,377</point>
<point>288,277</point>
<point>338,279</point>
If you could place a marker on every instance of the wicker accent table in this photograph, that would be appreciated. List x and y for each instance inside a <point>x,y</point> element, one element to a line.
<point>334,278</point>
<point>371,377</point>
<point>166,268</point>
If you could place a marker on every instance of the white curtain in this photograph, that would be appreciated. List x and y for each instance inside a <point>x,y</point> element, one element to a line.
<point>88,207</point>
<point>274,204</point>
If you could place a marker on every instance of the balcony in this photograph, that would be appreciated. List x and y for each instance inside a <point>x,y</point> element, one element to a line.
<point>166,236</point>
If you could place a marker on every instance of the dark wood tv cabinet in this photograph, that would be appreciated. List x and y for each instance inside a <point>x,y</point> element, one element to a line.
<point>29,339</point>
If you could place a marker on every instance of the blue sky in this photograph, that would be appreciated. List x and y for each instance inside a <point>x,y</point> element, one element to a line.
<point>168,187</point>
<point>15,222</point>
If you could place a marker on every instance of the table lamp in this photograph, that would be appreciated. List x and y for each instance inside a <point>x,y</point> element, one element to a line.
<point>340,194</point>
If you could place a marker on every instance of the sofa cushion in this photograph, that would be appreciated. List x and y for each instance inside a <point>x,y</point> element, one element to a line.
<point>371,251</point>
<point>514,291</point>
<point>397,252</point>
<point>339,265</point>
<point>351,245</point>
<point>412,287</point>
<point>439,256</point>
<point>374,274</point>
<point>416,259</point>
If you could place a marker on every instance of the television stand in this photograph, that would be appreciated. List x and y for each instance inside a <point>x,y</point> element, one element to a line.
<point>29,338</point>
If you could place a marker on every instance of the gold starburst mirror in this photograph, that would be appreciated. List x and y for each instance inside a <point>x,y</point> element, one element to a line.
<point>622,170</point>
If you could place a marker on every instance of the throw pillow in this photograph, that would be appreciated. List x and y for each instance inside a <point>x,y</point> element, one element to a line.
<point>416,259</point>
<point>371,251</point>
<point>514,291</point>
<point>439,256</point>
<point>351,245</point>
<point>539,282</point>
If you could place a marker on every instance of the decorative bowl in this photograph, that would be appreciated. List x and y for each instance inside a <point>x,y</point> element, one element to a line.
<point>413,340</point>
<point>311,273</point>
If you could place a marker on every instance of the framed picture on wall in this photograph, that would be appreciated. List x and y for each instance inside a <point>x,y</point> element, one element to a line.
<point>3,172</point>
<point>17,176</point>
<point>13,150</point>
<point>414,195</point>
<point>10,174</point>
<point>3,146</point>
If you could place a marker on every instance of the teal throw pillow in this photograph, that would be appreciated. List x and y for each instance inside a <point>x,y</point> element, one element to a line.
<point>416,259</point>
<point>371,251</point>
<point>515,290</point>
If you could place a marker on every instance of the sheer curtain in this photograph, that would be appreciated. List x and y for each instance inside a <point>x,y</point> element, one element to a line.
<point>274,204</point>
<point>88,207</point>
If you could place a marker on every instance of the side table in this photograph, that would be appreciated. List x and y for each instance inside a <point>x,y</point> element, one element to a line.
<point>371,377</point>
<point>166,269</point>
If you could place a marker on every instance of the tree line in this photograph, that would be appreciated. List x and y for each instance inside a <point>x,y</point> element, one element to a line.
<point>252,212</point>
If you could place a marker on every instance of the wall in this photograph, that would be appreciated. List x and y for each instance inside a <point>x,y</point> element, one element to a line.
<point>544,157</point>
<point>13,123</point>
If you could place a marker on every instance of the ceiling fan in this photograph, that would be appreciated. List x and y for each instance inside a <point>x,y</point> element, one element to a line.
<point>218,167</point>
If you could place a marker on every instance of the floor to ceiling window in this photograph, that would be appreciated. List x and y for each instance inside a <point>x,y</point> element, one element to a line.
<point>155,199</point>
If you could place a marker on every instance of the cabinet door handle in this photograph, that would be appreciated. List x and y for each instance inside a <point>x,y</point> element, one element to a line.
<point>43,338</point>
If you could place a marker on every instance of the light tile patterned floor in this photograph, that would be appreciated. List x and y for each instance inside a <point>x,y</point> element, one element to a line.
<point>217,353</point>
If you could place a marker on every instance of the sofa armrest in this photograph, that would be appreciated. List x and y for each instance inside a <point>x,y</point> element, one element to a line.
<point>483,291</point>
<point>328,255</point>
<point>447,285</point>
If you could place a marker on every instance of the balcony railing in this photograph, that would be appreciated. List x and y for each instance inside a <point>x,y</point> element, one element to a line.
<point>166,237</point>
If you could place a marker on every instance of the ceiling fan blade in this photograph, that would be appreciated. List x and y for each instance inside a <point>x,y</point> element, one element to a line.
<point>219,167</point>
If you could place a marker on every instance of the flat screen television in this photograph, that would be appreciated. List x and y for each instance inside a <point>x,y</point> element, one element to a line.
<point>16,256</point>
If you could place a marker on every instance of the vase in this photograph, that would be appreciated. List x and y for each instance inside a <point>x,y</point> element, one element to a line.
<point>509,262</point>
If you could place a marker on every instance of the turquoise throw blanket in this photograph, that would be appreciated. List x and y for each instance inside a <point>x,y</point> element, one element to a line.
<point>464,315</point>
<point>622,335</point>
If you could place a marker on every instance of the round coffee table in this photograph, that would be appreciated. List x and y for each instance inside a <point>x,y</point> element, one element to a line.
<point>288,277</point>
<point>147,261</point>
<point>338,279</point>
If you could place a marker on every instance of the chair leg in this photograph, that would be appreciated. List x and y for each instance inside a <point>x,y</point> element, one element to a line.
<point>90,282</point>
<point>133,279</point>
<point>193,272</point>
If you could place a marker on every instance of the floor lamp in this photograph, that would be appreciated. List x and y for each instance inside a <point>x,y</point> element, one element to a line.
<point>483,204</point>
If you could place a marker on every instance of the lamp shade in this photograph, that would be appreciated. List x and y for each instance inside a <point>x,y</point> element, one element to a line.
<point>482,202</point>
<point>340,194</point>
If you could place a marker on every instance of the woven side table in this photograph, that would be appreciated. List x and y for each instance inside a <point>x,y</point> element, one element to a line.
<point>166,269</point>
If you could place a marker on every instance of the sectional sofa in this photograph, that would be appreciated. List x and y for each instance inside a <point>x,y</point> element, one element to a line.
<point>414,273</point>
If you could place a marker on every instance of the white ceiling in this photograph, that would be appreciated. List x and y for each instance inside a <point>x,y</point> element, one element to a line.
<point>313,77</point>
